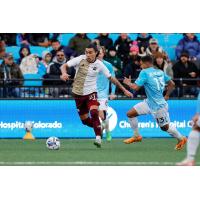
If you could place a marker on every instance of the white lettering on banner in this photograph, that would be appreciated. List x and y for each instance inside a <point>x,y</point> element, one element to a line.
<point>150,124</point>
<point>39,124</point>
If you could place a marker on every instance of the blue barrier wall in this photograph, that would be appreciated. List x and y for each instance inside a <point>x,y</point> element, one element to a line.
<point>59,118</point>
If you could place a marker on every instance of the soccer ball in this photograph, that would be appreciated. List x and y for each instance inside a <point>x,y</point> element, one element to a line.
<point>53,143</point>
<point>28,125</point>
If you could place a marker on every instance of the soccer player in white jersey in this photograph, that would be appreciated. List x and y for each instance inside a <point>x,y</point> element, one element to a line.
<point>103,85</point>
<point>153,80</point>
<point>193,139</point>
<point>84,87</point>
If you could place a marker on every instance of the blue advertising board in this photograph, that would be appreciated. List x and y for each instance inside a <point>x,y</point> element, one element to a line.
<point>59,118</point>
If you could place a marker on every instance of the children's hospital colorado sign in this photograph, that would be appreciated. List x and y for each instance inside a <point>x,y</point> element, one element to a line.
<point>59,118</point>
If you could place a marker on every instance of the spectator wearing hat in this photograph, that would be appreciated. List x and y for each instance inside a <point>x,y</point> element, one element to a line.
<point>161,63</point>
<point>153,48</point>
<point>46,58</point>
<point>132,69</point>
<point>104,40</point>
<point>122,45</point>
<point>143,41</point>
<point>191,44</point>
<point>10,73</point>
<point>115,61</point>
<point>186,69</point>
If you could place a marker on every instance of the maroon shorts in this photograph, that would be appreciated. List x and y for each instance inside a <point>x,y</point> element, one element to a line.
<point>83,103</point>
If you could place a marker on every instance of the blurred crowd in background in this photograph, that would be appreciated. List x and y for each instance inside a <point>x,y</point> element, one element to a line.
<point>28,56</point>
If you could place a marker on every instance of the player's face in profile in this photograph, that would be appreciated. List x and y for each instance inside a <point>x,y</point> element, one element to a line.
<point>90,54</point>
<point>142,65</point>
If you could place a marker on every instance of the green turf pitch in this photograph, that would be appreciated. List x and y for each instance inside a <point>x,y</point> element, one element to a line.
<point>83,152</point>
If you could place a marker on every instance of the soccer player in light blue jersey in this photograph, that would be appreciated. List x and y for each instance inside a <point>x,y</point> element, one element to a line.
<point>154,81</point>
<point>103,86</point>
<point>193,139</point>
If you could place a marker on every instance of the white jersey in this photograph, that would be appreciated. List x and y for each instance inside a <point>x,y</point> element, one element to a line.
<point>85,80</point>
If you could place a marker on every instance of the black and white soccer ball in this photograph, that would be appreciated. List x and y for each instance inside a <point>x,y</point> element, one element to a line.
<point>53,143</point>
<point>28,125</point>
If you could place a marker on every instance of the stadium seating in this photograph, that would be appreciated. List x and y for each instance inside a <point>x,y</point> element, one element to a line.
<point>14,50</point>
<point>166,40</point>
<point>65,38</point>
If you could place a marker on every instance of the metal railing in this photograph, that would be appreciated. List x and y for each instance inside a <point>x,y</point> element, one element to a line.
<point>11,89</point>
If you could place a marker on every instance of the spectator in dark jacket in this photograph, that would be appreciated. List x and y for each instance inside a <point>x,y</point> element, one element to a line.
<point>39,39</point>
<point>56,46</point>
<point>79,42</point>
<point>122,45</point>
<point>115,61</point>
<point>143,41</point>
<point>191,44</point>
<point>22,39</point>
<point>104,40</point>
<point>10,72</point>
<point>154,48</point>
<point>2,49</point>
<point>9,38</point>
<point>54,72</point>
<point>186,69</point>
<point>23,52</point>
<point>132,69</point>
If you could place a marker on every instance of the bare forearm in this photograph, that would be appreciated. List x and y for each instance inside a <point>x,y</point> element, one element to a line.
<point>170,88</point>
<point>117,83</point>
<point>64,68</point>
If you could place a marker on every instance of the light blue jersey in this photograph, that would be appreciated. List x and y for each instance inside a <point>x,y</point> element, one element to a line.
<point>198,104</point>
<point>153,81</point>
<point>103,82</point>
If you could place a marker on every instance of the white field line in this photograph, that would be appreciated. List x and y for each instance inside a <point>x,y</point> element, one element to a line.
<point>92,163</point>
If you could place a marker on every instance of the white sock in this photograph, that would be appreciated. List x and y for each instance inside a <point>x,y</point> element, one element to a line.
<point>107,125</point>
<point>192,144</point>
<point>98,137</point>
<point>174,132</point>
<point>134,125</point>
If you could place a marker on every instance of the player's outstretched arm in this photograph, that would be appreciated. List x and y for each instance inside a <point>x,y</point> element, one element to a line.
<point>121,87</point>
<point>170,88</point>
<point>133,86</point>
<point>64,75</point>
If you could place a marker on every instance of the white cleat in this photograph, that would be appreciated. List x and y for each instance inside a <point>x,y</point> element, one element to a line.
<point>97,143</point>
<point>186,162</point>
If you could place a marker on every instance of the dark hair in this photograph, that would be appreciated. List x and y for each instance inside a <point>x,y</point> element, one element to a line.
<point>60,50</point>
<point>147,59</point>
<point>55,40</point>
<point>93,46</point>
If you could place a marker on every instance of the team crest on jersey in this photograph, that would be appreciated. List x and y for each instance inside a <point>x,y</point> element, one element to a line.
<point>94,68</point>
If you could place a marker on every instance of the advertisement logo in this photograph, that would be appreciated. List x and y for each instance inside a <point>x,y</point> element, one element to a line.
<point>112,117</point>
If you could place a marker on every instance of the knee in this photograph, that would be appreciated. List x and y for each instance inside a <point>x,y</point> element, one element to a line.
<point>165,127</point>
<point>130,115</point>
<point>94,113</point>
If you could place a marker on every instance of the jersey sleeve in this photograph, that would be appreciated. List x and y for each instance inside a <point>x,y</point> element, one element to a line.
<point>141,80</point>
<point>198,104</point>
<point>113,86</point>
<point>166,78</point>
<point>104,70</point>
<point>74,61</point>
